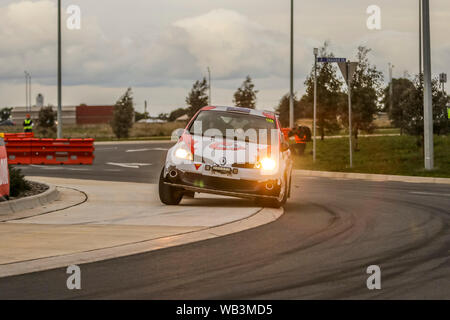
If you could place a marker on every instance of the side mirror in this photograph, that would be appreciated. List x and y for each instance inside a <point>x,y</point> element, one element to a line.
<point>176,134</point>
<point>284,146</point>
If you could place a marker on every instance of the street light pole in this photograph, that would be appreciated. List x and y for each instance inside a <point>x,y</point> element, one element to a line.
<point>29,92</point>
<point>316,52</point>
<point>26,91</point>
<point>291,91</point>
<point>59,131</point>
<point>420,38</point>
<point>391,87</point>
<point>209,86</point>
<point>427,94</point>
<point>349,85</point>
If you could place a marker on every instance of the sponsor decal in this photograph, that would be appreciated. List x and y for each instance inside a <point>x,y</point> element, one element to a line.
<point>226,146</point>
<point>197,166</point>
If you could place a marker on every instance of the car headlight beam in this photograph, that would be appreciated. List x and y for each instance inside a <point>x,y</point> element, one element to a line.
<point>182,153</point>
<point>267,164</point>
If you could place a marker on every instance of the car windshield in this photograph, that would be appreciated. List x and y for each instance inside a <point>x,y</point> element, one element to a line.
<point>216,123</point>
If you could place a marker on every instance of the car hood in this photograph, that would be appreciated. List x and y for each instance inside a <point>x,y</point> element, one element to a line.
<point>224,152</point>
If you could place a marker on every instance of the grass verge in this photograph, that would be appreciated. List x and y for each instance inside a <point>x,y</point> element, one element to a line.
<point>397,155</point>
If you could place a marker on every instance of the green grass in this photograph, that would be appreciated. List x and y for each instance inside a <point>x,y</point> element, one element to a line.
<point>381,155</point>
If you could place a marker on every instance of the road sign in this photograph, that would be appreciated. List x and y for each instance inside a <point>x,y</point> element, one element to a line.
<point>443,78</point>
<point>347,73</point>
<point>331,59</point>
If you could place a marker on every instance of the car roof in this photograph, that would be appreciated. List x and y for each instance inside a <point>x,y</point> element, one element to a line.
<point>261,113</point>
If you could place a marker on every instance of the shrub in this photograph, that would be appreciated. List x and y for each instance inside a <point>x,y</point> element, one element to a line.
<point>123,115</point>
<point>46,126</point>
<point>17,182</point>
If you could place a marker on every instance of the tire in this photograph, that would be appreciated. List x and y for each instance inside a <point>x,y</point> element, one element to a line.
<point>167,194</point>
<point>276,203</point>
<point>189,194</point>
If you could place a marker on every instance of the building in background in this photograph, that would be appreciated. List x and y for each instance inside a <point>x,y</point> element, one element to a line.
<point>82,114</point>
<point>18,114</point>
<point>39,101</point>
<point>94,114</point>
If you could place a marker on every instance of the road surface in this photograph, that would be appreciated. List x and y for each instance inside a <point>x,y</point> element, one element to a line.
<point>332,230</point>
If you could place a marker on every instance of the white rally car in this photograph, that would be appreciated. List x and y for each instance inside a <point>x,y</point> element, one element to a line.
<point>229,151</point>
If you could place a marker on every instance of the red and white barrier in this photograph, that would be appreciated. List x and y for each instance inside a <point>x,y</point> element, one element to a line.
<point>4,173</point>
<point>50,151</point>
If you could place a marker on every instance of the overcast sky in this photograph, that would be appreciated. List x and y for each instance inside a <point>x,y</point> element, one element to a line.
<point>160,47</point>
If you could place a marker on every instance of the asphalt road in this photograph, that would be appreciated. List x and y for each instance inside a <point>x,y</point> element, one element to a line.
<point>133,162</point>
<point>320,248</point>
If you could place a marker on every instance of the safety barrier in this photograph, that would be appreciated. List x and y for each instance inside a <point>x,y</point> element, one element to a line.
<point>20,135</point>
<point>50,151</point>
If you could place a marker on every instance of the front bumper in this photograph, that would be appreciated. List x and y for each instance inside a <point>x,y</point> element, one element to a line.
<point>220,184</point>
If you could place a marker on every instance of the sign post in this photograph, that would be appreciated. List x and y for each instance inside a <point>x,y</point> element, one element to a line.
<point>322,60</point>
<point>348,69</point>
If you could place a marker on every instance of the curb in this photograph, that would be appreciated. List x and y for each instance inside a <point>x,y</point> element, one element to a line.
<point>261,217</point>
<point>371,177</point>
<point>27,203</point>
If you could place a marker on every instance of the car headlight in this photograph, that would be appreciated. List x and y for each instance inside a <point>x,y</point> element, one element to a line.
<point>182,153</point>
<point>267,164</point>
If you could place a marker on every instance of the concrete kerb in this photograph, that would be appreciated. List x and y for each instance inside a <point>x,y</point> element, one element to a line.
<point>27,203</point>
<point>371,177</point>
<point>262,217</point>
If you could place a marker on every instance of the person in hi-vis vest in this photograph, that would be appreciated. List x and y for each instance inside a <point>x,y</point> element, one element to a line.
<point>28,124</point>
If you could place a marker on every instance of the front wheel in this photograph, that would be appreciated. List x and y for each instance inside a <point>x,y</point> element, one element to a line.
<point>280,201</point>
<point>168,194</point>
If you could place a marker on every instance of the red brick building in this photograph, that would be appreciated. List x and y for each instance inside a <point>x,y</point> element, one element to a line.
<point>94,114</point>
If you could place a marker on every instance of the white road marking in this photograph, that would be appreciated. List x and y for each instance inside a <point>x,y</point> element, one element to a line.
<point>129,165</point>
<point>431,194</point>
<point>147,149</point>
<point>78,169</point>
<point>160,149</point>
<point>104,149</point>
<point>46,167</point>
<point>138,150</point>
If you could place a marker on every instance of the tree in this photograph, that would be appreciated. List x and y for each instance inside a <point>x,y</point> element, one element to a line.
<point>300,109</point>
<point>329,96</point>
<point>401,89</point>
<point>245,95</point>
<point>140,115</point>
<point>177,113</point>
<point>412,104</point>
<point>198,97</point>
<point>46,125</point>
<point>5,114</point>
<point>366,89</point>
<point>123,116</point>
<point>163,116</point>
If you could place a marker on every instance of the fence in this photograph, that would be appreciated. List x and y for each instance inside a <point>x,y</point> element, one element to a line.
<point>49,151</point>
